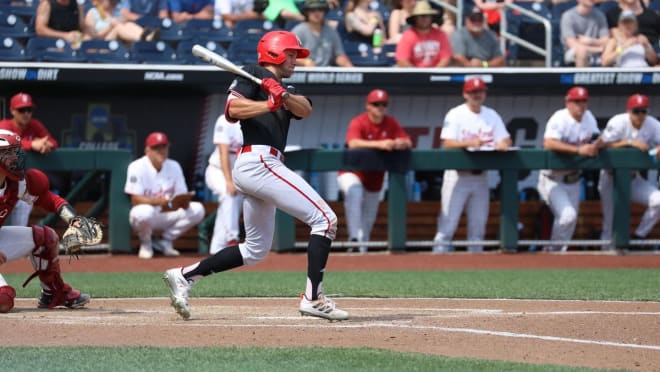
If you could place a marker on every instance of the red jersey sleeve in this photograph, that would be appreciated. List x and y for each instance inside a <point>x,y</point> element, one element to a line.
<point>38,185</point>
<point>398,130</point>
<point>355,129</point>
<point>37,129</point>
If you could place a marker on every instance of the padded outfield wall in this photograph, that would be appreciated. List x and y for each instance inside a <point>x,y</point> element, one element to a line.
<point>117,106</point>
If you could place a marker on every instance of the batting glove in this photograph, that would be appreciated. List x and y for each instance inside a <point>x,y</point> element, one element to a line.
<point>274,102</point>
<point>273,87</point>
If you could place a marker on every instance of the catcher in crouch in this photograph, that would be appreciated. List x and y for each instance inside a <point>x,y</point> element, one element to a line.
<point>39,244</point>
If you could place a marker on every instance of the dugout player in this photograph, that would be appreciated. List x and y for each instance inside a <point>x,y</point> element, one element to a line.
<point>633,128</point>
<point>470,125</point>
<point>39,243</point>
<point>265,113</point>
<point>571,130</point>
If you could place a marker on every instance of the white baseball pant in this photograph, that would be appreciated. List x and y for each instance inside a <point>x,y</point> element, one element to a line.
<point>146,219</point>
<point>267,184</point>
<point>226,226</point>
<point>360,206</point>
<point>641,191</point>
<point>564,200</point>
<point>20,215</point>
<point>18,242</point>
<point>462,189</point>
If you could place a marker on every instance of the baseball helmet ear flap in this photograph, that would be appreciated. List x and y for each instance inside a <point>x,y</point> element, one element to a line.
<point>274,44</point>
<point>12,157</point>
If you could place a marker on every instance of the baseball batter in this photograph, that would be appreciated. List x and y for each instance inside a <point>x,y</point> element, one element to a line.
<point>634,128</point>
<point>372,129</point>
<point>469,125</point>
<point>228,139</point>
<point>157,188</point>
<point>39,244</point>
<point>265,113</point>
<point>570,130</point>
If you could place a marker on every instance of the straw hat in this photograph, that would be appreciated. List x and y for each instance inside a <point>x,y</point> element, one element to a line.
<point>421,8</point>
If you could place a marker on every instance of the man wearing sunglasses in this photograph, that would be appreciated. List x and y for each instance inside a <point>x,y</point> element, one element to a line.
<point>633,128</point>
<point>372,129</point>
<point>34,137</point>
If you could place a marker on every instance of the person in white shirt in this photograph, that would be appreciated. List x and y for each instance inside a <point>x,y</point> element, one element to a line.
<point>160,198</point>
<point>571,130</point>
<point>633,128</point>
<point>228,139</point>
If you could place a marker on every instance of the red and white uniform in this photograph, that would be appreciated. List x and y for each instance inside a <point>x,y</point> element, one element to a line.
<point>143,179</point>
<point>423,50</point>
<point>361,189</point>
<point>226,226</point>
<point>563,197</point>
<point>461,189</point>
<point>619,128</point>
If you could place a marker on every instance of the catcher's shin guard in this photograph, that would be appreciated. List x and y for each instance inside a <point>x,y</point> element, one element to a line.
<point>45,251</point>
<point>7,295</point>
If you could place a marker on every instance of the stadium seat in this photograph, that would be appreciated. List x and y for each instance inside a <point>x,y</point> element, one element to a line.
<point>12,50</point>
<point>172,32</point>
<point>208,30</point>
<point>49,49</point>
<point>559,8</point>
<point>14,26</point>
<point>254,26</point>
<point>103,51</point>
<point>654,5</point>
<point>527,29</point>
<point>605,6</point>
<point>245,50</point>
<point>363,55</point>
<point>21,8</point>
<point>154,52</point>
<point>184,51</point>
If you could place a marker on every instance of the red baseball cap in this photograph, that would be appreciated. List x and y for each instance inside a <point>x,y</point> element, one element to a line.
<point>577,94</point>
<point>21,100</point>
<point>377,95</point>
<point>156,139</point>
<point>473,85</point>
<point>637,101</point>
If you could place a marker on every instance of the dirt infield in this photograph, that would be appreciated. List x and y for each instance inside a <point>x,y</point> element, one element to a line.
<point>601,334</point>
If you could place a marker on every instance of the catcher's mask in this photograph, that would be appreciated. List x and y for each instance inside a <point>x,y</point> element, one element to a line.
<point>12,157</point>
<point>273,45</point>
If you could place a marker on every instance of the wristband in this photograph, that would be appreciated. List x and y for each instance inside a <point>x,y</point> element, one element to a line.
<point>484,63</point>
<point>169,204</point>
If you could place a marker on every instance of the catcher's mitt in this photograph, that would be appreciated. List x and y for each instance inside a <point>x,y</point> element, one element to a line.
<point>81,231</point>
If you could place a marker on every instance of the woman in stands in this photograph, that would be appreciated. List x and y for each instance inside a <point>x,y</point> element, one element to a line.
<point>627,47</point>
<point>397,22</point>
<point>104,21</point>
<point>362,21</point>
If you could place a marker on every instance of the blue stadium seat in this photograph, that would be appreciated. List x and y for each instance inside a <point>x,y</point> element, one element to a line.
<point>245,50</point>
<point>172,32</point>
<point>605,6</point>
<point>154,52</point>
<point>559,8</point>
<point>527,29</point>
<point>12,50</point>
<point>254,26</point>
<point>21,8</point>
<point>208,30</point>
<point>184,51</point>
<point>104,51</point>
<point>654,5</point>
<point>49,49</point>
<point>14,26</point>
<point>363,55</point>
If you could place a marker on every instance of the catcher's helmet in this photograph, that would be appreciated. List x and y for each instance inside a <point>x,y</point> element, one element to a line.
<point>12,159</point>
<point>274,44</point>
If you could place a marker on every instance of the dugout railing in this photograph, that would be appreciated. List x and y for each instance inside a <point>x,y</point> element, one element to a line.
<point>622,161</point>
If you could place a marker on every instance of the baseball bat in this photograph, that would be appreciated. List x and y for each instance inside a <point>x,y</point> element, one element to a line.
<point>222,62</point>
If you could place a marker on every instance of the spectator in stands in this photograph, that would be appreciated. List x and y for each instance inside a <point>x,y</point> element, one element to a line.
<point>182,11</point>
<point>627,48</point>
<point>133,10</point>
<point>493,10</point>
<point>397,22</point>
<point>232,11</point>
<point>34,137</point>
<point>362,21</point>
<point>648,21</point>
<point>160,198</point>
<point>424,44</point>
<point>470,125</point>
<point>324,44</point>
<point>64,19</point>
<point>584,33</point>
<point>105,21</point>
<point>281,11</point>
<point>474,45</point>
<point>634,128</point>
<point>571,130</point>
<point>372,129</point>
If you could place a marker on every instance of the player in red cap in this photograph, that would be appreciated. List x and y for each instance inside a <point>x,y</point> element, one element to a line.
<point>571,130</point>
<point>372,129</point>
<point>633,128</point>
<point>470,125</point>
<point>265,113</point>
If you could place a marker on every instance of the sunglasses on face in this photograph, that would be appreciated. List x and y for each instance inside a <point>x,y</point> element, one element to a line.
<point>638,111</point>
<point>379,104</point>
<point>23,110</point>
<point>579,101</point>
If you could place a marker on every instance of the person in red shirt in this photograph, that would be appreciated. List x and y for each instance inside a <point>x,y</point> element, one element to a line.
<point>373,129</point>
<point>424,44</point>
<point>34,137</point>
<point>38,243</point>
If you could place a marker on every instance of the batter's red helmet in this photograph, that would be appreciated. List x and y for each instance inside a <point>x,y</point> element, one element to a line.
<point>12,159</point>
<point>274,44</point>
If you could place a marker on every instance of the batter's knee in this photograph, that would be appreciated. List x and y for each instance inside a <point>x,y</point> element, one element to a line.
<point>252,252</point>
<point>7,296</point>
<point>45,242</point>
<point>326,225</point>
<point>567,217</point>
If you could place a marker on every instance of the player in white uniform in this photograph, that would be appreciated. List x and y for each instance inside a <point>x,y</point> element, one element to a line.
<point>469,125</point>
<point>634,128</point>
<point>228,139</point>
<point>160,198</point>
<point>570,130</point>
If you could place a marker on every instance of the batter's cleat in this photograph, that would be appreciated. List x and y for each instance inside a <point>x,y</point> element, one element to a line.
<point>179,288</point>
<point>72,300</point>
<point>322,308</point>
<point>165,246</point>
